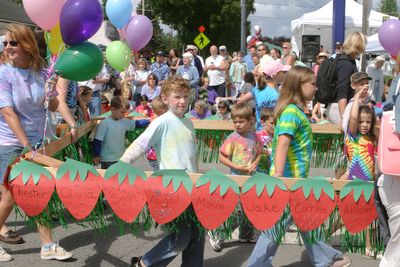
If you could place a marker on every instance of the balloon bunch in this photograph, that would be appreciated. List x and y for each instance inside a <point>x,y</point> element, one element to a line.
<point>136,31</point>
<point>68,24</point>
<point>389,37</point>
<point>253,40</point>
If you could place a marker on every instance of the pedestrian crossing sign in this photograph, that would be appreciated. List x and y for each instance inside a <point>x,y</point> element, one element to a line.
<point>201,40</point>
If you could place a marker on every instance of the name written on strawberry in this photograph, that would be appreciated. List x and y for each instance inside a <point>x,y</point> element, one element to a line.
<point>358,210</point>
<point>31,193</point>
<point>70,193</point>
<point>207,203</point>
<point>164,199</point>
<point>310,209</point>
<point>126,197</point>
<point>265,207</point>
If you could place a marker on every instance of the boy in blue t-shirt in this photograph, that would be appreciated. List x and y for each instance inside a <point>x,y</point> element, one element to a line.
<point>109,141</point>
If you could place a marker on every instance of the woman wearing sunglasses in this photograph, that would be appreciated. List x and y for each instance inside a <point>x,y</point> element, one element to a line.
<point>22,118</point>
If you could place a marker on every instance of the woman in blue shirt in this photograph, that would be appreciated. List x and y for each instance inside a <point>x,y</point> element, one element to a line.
<point>22,118</point>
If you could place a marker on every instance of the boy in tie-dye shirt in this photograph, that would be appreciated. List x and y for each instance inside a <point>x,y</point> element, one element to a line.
<point>241,153</point>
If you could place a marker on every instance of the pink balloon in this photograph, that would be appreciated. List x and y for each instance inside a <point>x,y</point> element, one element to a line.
<point>139,32</point>
<point>45,13</point>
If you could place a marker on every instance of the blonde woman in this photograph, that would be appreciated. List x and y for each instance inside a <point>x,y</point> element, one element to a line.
<point>22,119</point>
<point>353,46</point>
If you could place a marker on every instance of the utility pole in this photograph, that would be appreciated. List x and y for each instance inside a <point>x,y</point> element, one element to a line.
<point>243,26</point>
<point>143,7</point>
<point>364,29</point>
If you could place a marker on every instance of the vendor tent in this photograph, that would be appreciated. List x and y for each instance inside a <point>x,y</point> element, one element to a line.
<point>319,22</point>
<point>373,44</point>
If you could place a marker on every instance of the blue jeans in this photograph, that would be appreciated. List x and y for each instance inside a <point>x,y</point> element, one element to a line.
<point>189,241</point>
<point>6,154</point>
<point>95,104</point>
<point>319,253</point>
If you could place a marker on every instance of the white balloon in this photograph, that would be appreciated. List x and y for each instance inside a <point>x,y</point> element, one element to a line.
<point>248,38</point>
<point>257,28</point>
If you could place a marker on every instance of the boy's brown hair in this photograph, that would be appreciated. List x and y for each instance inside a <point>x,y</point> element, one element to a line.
<point>266,114</point>
<point>119,102</point>
<point>158,106</point>
<point>242,111</point>
<point>175,84</point>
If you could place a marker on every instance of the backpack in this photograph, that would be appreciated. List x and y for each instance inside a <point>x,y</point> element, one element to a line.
<point>326,81</point>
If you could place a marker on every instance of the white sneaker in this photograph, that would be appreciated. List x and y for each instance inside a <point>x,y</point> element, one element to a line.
<point>55,253</point>
<point>215,242</point>
<point>4,256</point>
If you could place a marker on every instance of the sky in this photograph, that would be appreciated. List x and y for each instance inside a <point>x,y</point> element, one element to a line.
<point>274,16</point>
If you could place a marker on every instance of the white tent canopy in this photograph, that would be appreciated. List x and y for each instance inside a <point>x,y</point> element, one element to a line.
<point>319,22</point>
<point>373,44</point>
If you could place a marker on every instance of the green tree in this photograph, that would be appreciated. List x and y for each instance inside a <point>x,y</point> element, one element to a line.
<point>389,7</point>
<point>221,18</point>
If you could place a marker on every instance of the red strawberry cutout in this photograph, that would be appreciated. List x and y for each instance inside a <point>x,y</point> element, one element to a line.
<point>79,186</point>
<point>214,198</point>
<point>311,202</point>
<point>357,205</point>
<point>31,195</point>
<point>264,198</point>
<point>124,189</point>
<point>168,194</point>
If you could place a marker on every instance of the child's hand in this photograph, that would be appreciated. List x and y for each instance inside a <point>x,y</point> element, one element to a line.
<point>242,168</point>
<point>253,167</point>
<point>96,160</point>
<point>363,93</point>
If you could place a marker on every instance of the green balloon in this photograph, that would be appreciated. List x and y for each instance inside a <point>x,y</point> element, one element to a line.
<point>80,62</point>
<point>118,55</point>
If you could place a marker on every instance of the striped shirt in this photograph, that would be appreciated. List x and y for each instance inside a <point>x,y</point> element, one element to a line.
<point>294,123</point>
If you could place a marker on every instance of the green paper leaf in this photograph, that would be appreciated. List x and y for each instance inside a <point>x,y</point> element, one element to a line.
<point>261,181</point>
<point>216,178</point>
<point>28,169</point>
<point>75,167</point>
<point>177,176</point>
<point>123,170</point>
<point>358,186</point>
<point>315,184</point>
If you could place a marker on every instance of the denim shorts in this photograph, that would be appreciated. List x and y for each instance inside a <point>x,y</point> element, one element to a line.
<point>6,154</point>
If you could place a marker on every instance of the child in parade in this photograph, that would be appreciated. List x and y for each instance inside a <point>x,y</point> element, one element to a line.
<point>224,112</point>
<point>109,141</point>
<point>292,151</point>
<point>159,108</point>
<point>144,107</point>
<point>266,135</point>
<point>241,153</point>
<point>85,96</point>
<point>172,136</point>
<point>360,145</point>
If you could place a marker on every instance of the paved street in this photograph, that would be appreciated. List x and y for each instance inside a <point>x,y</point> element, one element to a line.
<point>91,249</point>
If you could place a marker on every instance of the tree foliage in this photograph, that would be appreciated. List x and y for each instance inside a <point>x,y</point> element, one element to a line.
<point>389,7</point>
<point>221,18</point>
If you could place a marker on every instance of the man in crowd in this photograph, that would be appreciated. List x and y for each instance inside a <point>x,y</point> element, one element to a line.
<point>159,68</point>
<point>216,66</point>
<point>248,58</point>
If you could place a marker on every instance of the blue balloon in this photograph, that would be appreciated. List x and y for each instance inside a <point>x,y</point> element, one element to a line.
<point>119,12</point>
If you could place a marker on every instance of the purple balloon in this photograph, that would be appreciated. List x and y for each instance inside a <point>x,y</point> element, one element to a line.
<point>389,36</point>
<point>138,32</point>
<point>80,20</point>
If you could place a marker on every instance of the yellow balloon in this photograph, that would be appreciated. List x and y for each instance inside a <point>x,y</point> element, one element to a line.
<point>54,40</point>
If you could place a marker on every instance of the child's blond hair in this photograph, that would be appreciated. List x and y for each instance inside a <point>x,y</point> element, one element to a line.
<point>242,111</point>
<point>175,84</point>
<point>158,106</point>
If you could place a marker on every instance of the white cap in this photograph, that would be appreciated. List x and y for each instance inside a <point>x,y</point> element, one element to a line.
<point>222,47</point>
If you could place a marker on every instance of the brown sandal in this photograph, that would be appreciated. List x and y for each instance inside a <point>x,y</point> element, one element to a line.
<point>11,237</point>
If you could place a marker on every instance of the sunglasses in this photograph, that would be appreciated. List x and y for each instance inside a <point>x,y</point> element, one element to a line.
<point>12,43</point>
<point>261,50</point>
<point>284,47</point>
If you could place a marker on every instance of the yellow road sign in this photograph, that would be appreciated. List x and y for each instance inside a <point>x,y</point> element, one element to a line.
<point>201,40</point>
